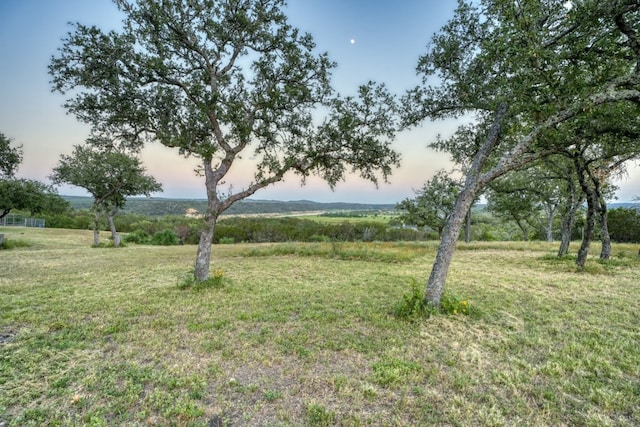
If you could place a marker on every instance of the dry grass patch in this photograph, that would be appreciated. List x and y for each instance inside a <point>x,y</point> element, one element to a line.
<point>296,335</point>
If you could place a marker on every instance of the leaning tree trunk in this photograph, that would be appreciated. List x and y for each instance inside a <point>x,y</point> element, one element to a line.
<point>524,229</point>
<point>112,226</point>
<point>568,220</point>
<point>438,277</point>
<point>587,236</point>
<point>565,235</point>
<point>203,257</point>
<point>605,237</point>
<point>569,215</point>
<point>467,227</point>
<point>96,232</point>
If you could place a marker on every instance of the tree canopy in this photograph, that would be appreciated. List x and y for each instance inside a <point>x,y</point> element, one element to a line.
<point>219,80</point>
<point>10,157</point>
<point>109,175</point>
<point>29,195</point>
<point>526,72</point>
<point>433,203</point>
<point>20,193</point>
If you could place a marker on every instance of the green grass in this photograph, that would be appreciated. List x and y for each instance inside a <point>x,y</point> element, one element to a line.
<point>381,218</point>
<point>298,334</point>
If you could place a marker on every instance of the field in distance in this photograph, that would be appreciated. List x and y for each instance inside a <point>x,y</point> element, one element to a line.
<point>305,334</point>
<point>158,206</point>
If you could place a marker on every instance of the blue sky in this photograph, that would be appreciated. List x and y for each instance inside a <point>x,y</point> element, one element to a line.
<point>388,39</point>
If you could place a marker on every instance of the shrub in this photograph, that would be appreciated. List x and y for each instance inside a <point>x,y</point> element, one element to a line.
<point>138,237</point>
<point>624,225</point>
<point>165,237</point>
<point>412,306</point>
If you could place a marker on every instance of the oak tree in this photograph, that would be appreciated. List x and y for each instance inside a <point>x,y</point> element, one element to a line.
<point>109,175</point>
<point>522,70</point>
<point>433,203</point>
<point>29,195</point>
<point>220,80</point>
<point>19,193</point>
<point>10,157</point>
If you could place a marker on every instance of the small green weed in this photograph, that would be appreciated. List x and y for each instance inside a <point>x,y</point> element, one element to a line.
<point>318,416</point>
<point>215,281</point>
<point>272,395</point>
<point>412,306</point>
<point>453,304</point>
<point>394,371</point>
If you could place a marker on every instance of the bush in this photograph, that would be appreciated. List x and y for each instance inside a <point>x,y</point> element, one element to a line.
<point>412,306</point>
<point>138,237</point>
<point>624,225</point>
<point>165,237</point>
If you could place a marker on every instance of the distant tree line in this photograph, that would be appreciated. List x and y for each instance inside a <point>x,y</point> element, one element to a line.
<point>159,206</point>
<point>242,229</point>
<point>624,227</point>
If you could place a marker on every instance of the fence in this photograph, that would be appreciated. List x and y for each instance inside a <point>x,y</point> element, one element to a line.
<point>21,221</point>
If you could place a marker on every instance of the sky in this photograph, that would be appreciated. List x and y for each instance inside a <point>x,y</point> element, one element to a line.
<point>376,40</point>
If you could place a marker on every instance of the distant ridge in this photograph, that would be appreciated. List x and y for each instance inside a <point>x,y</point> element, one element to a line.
<point>159,206</point>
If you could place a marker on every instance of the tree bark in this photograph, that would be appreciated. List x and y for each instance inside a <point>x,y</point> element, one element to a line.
<point>203,256</point>
<point>112,226</point>
<point>550,228</point>
<point>605,237</point>
<point>96,232</point>
<point>473,184</point>
<point>568,213</point>
<point>525,230</point>
<point>587,235</point>
<point>589,192</point>
<point>438,277</point>
<point>550,210</point>
<point>467,227</point>
<point>568,220</point>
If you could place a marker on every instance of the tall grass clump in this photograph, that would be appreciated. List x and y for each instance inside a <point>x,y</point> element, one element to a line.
<point>14,243</point>
<point>215,281</point>
<point>414,307</point>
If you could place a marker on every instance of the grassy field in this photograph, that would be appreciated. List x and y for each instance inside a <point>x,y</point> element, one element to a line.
<point>328,219</point>
<point>304,335</point>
